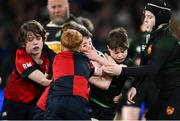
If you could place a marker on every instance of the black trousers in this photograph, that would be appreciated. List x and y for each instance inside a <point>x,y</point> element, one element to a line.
<point>166,107</point>
<point>147,92</point>
<point>17,111</point>
<point>67,108</point>
<point>38,114</point>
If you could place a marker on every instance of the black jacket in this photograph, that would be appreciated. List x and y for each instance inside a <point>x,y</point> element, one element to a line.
<point>161,60</point>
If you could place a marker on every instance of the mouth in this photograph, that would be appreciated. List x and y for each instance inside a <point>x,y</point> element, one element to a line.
<point>120,60</point>
<point>36,48</point>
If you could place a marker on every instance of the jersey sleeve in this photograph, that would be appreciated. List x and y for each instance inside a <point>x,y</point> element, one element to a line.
<point>50,54</point>
<point>24,63</point>
<point>92,68</point>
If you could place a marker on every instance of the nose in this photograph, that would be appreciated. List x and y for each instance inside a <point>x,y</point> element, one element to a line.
<point>89,47</point>
<point>145,20</point>
<point>120,55</point>
<point>56,9</point>
<point>35,42</point>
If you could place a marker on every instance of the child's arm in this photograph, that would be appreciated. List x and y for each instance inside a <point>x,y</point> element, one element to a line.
<point>98,79</point>
<point>113,69</point>
<point>102,82</point>
<point>39,78</point>
<point>93,55</point>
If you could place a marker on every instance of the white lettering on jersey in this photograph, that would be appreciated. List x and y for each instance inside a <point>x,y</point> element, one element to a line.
<point>26,65</point>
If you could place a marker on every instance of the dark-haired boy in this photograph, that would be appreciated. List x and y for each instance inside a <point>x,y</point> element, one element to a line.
<point>102,99</point>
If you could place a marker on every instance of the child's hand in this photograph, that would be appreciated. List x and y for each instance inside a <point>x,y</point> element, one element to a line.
<point>96,64</point>
<point>122,65</point>
<point>117,98</point>
<point>92,54</point>
<point>131,94</point>
<point>113,69</point>
<point>110,59</point>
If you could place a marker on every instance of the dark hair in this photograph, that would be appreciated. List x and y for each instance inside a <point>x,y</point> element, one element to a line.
<point>87,23</point>
<point>117,38</point>
<point>31,26</point>
<point>78,27</point>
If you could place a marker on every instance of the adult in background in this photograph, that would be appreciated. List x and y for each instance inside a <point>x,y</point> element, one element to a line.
<point>59,13</point>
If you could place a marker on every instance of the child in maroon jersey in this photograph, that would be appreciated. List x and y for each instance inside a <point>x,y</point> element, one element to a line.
<point>29,75</point>
<point>41,103</point>
<point>68,95</point>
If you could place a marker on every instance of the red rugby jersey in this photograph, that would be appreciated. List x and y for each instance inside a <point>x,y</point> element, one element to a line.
<point>71,71</point>
<point>68,64</point>
<point>20,88</point>
<point>41,103</point>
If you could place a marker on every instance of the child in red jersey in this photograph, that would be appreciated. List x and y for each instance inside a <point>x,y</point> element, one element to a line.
<point>41,104</point>
<point>68,95</point>
<point>28,78</point>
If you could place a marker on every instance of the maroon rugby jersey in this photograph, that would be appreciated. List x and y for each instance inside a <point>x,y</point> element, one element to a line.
<point>71,71</point>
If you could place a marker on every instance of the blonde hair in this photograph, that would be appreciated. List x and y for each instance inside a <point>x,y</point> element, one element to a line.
<point>71,39</point>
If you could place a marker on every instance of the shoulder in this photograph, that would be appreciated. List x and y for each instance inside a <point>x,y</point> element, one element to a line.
<point>81,55</point>
<point>165,40</point>
<point>21,53</point>
<point>49,53</point>
<point>20,50</point>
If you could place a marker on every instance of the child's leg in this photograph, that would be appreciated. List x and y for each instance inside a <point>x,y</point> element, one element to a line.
<point>130,113</point>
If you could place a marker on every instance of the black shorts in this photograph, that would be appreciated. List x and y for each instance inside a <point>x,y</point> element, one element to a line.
<point>67,108</point>
<point>17,111</point>
<point>166,107</point>
<point>38,114</point>
<point>101,113</point>
<point>147,92</point>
